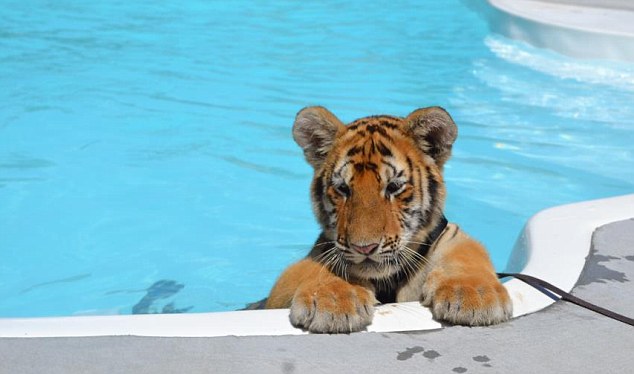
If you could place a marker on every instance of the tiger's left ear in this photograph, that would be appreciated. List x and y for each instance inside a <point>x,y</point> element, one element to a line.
<point>434,132</point>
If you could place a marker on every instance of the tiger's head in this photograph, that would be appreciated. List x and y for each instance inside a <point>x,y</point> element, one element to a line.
<point>378,189</point>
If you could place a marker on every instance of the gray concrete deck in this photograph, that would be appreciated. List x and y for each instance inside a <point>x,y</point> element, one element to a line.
<point>563,338</point>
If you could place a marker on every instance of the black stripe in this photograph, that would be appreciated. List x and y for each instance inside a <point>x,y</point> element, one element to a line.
<point>408,199</point>
<point>388,164</point>
<point>388,124</point>
<point>384,133</point>
<point>353,151</point>
<point>318,191</point>
<point>365,166</point>
<point>383,149</point>
<point>378,129</point>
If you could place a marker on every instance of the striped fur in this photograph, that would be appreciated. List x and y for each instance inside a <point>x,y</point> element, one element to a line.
<point>378,194</point>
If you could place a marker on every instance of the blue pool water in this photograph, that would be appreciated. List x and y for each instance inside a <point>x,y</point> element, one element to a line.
<point>146,161</point>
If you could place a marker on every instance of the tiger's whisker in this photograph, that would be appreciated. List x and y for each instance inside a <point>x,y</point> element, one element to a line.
<point>324,243</point>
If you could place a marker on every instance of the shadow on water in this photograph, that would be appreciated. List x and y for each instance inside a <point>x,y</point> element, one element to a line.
<point>160,290</point>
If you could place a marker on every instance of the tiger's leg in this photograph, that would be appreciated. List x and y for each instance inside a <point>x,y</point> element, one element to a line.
<point>461,285</point>
<point>321,301</point>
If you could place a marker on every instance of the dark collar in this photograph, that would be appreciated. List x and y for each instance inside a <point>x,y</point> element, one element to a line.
<point>432,237</point>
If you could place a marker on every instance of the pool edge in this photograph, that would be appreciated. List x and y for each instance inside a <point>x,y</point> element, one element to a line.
<point>565,28</point>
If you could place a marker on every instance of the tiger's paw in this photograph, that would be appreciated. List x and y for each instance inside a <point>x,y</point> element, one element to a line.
<point>333,307</point>
<point>472,301</point>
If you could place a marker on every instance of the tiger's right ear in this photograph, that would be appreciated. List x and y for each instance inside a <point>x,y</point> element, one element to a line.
<point>315,130</point>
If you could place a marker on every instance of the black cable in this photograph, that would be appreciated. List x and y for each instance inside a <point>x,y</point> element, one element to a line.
<point>541,285</point>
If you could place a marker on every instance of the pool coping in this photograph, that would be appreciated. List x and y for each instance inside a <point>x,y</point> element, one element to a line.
<point>560,26</point>
<point>553,246</point>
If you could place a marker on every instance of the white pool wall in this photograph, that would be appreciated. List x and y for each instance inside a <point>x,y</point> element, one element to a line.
<point>607,30</point>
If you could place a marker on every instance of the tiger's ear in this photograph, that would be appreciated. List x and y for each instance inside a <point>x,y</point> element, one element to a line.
<point>315,130</point>
<point>434,132</point>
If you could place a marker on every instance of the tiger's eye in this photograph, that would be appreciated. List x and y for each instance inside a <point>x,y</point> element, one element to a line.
<point>343,189</point>
<point>393,187</point>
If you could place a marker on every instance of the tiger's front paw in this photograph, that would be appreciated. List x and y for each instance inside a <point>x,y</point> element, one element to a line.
<point>333,307</point>
<point>473,301</point>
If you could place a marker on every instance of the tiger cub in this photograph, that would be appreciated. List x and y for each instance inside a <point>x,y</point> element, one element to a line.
<point>378,194</point>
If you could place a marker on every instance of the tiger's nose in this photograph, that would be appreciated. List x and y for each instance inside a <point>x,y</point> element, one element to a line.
<point>365,249</point>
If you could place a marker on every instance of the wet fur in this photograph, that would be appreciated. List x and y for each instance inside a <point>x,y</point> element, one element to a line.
<point>378,185</point>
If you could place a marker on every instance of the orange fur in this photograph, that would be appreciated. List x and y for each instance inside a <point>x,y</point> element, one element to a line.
<point>322,301</point>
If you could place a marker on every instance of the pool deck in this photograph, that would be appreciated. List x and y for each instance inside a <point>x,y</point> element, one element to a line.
<point>561,338</point>
<point>605,26</point>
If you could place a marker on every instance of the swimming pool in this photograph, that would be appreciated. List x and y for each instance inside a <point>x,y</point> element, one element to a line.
<point>146,161</point>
